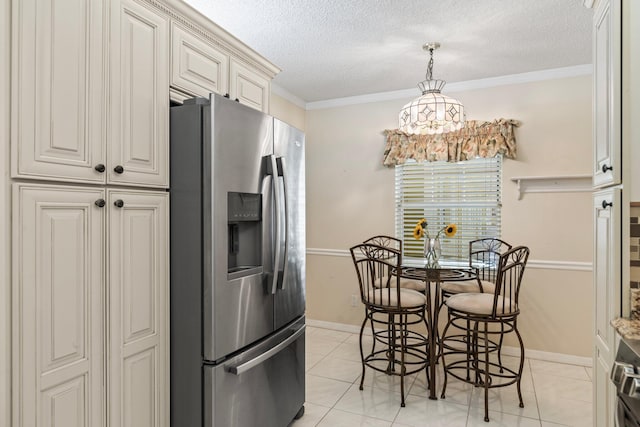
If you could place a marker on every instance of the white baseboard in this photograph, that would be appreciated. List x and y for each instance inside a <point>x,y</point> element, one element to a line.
<point>507,350</point>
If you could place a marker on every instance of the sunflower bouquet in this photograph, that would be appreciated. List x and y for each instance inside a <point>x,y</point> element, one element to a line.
<point>421,230</point>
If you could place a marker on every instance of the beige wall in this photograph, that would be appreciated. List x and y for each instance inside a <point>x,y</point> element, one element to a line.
<point>350,197</point>
<point>287,111</point>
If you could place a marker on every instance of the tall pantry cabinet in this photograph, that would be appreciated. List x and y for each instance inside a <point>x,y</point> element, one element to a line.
<point>91,82</point>
<point>612,188</point>
<point>90,279</point>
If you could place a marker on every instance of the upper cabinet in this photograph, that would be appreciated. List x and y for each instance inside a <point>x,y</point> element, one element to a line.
<point>248,87</point>
<point>91,85</point>
<point>607,162</point>
<point>139,128</point>
<point>197,67</point>
<point>59,90</point>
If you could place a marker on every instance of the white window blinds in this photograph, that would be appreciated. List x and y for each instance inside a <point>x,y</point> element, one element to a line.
<point>466,194</point>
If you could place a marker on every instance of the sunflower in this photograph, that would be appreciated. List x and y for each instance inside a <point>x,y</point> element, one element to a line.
<point>419,229</point>
<point>418,232</point>
<point>450,230</point>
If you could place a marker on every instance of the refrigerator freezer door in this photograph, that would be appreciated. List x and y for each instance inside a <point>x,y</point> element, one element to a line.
<point>263,386</point>
<point>237,310</point>
<point>289,151</point>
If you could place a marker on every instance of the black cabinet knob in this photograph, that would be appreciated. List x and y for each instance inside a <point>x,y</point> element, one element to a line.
<point>100,168</point>
<point>237,100</point>
<point>118,203</point>
<point>606,168</point>
<point>226,95</point>
<point>100,203</point>
<point>605,204</point>
<point>118,169</point>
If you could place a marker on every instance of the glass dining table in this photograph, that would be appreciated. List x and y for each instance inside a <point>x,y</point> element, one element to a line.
<point>433,275</point>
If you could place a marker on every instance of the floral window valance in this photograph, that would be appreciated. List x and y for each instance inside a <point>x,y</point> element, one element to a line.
<point>476,139</point>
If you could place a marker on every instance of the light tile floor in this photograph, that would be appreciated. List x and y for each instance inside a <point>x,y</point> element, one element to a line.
<point>554,394</point>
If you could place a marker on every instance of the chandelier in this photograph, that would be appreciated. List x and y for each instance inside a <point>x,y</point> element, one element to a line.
<point>432,112</point>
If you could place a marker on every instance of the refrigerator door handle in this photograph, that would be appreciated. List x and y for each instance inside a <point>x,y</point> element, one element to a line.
<point>276,195</point>
<point>282,171</point>
<point>244,367</point>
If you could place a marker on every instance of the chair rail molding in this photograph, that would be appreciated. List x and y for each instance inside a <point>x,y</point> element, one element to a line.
<point>532,263</point>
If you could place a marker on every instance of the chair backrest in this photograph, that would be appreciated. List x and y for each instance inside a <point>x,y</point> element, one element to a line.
<point>484,257</point>
<point>375,266</point>
<point>386,241</point>
<point>509,278</point>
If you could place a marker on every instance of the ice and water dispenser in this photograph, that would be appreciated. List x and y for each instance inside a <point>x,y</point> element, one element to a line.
<point>244,222</point>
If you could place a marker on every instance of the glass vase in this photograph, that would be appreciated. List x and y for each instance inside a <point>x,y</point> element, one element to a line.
<point>432,251</point>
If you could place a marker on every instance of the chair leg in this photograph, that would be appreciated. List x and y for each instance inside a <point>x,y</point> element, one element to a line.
<point>364,323</point>
<point>515,328</point>
<point>444,362</point>
<point>391,350</point>
<point>403,338</point>
<point>486,373</point>
<point>468,348</point>
<point>500,347</point>
<point>475,355</point>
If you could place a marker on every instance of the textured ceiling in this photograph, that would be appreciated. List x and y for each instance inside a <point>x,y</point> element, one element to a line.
<point>337,48</point>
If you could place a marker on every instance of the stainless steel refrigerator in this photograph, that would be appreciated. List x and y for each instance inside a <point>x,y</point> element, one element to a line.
<point>237,266</point>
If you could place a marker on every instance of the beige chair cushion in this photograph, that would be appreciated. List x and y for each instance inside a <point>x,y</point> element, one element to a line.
<point>479,304</point>
<point>416,285</point>
<point>408,297</point>
<point>467,286</point>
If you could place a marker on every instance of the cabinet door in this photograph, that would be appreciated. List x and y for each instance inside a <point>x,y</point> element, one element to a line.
<point>607,78</point>
<point>139,138</point>
<point>58,299</point>
<point>138,309</point>
<point>607,246</point>
<point>248,87</point>
<point>59,90</point>
<point>197,67</point>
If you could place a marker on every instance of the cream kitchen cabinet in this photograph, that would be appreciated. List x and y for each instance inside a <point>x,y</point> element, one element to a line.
<point>138,368</point>
<point>607,78</point>
<point>59,90</point>
<point>197,67</point>
<point>248,87</point>
<point>80,112</point>
<point>139,116</point>
<point>58,306</point>
<point>90,307</point>
<point>607,208</point>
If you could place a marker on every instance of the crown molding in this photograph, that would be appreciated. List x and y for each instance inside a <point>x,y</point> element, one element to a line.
<point>190,18</point>
<point>533,76</point>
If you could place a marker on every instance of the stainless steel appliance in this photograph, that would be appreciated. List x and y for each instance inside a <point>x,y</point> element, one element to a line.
<point>237,266</point>
<point>625,375</point>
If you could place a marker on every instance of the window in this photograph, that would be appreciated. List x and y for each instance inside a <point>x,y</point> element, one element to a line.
<point>465,193</point>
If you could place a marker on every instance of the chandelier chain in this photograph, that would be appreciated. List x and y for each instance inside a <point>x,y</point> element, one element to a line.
<point>430,65</point>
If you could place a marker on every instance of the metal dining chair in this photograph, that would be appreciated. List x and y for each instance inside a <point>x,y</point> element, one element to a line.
<point>484,256</point>
<point>395,243</point>
<point>472,320</point>
<point>392,309</point>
